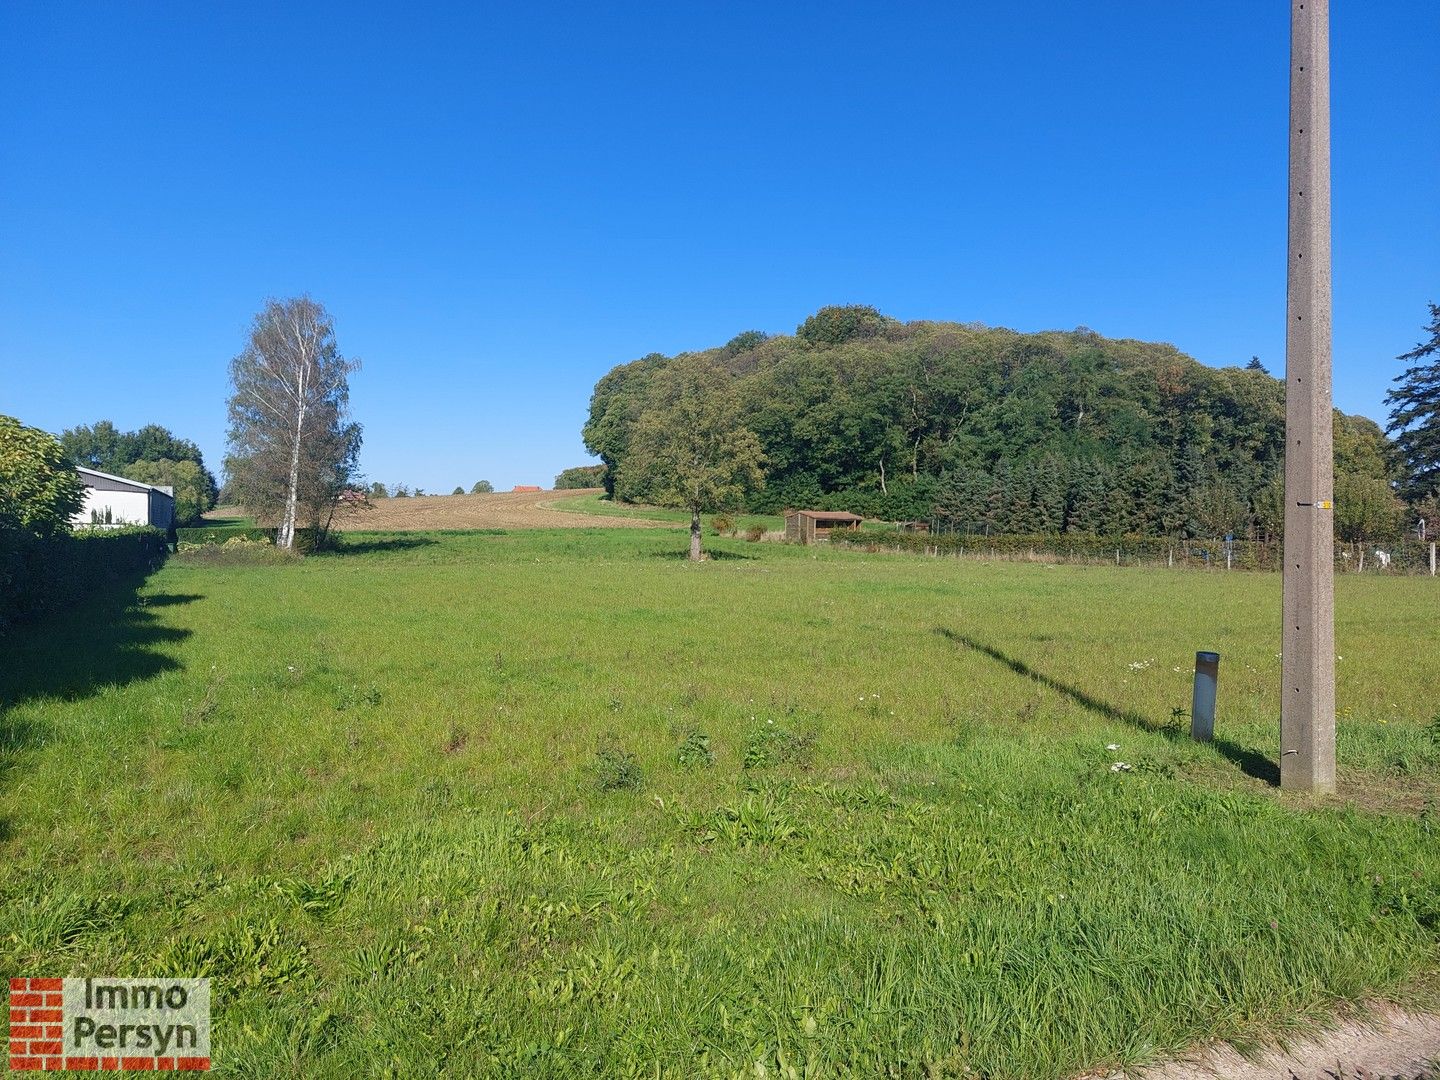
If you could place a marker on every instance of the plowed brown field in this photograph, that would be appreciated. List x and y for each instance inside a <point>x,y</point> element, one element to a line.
<point>503,510</point>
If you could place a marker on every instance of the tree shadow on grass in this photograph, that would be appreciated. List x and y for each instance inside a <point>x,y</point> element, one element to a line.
<point>386,543</point>
<point>717,555</point>
<point>1249,761</point>
<point>110,639</point>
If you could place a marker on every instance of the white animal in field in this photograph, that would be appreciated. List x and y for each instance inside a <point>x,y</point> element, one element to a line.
<point>1383,558</point>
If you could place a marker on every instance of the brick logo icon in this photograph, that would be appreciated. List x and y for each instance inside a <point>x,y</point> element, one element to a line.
<point>110,1024</point>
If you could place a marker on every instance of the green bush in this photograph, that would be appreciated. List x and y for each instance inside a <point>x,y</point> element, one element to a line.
<point>235,552</point>
<point>221,533</point>
<point>39,574</point>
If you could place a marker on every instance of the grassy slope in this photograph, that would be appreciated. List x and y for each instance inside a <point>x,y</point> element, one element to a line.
<point>361,790</point>
<point>594,503</point>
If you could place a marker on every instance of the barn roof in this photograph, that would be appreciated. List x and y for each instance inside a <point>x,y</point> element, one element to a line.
<point>90,475</point>
<point>828,515</point>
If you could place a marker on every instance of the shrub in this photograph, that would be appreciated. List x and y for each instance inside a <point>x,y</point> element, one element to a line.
<point>222,534</point>
<point>722,523</point>
<point>754,533</point>
<point>235,552</point>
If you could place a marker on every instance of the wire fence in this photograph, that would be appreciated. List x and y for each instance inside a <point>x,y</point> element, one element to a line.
<point>1402,557</point>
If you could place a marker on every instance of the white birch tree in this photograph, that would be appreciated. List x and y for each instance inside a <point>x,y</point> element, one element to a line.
<point>293,448</point>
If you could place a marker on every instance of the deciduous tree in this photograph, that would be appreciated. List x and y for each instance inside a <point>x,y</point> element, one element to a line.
<point>194,491</point>
<point>690,449</point>
<point>39,490</point>
<point>293,447</point>
<point>1366,509</point>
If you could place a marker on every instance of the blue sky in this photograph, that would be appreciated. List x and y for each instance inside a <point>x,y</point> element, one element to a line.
<point>498,203</point>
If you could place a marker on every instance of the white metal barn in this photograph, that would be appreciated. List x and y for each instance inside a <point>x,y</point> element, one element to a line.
<point>113,501</point>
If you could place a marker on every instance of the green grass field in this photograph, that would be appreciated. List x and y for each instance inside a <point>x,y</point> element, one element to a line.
<point>562,804</point>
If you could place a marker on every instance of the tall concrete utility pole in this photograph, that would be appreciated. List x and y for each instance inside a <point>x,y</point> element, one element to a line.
<point>1307,711</point>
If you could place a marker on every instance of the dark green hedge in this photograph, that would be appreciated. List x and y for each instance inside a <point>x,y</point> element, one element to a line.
<point>42,574</point>
<point>218,534</point>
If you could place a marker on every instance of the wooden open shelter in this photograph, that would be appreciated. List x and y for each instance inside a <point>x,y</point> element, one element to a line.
<point>808,526</point>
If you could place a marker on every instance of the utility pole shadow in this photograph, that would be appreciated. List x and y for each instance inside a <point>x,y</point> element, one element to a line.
<point>1250,762</point>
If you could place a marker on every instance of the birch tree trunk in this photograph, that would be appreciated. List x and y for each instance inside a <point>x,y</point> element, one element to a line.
<point>286,537</point>
<point>694,535</point>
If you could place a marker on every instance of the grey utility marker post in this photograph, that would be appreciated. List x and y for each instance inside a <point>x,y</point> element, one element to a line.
<point>1307,709</point>
<point>1202,697</point>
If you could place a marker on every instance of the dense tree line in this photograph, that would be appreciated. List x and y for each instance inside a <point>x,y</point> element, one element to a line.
<point>581,476</point>
<point>987,429</point>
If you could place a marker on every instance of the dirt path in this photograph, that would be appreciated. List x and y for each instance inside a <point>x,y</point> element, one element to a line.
<point>503,510</point>
<point>1387,1045</point>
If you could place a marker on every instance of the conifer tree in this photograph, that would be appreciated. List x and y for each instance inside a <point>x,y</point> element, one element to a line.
<point>1415,415</point>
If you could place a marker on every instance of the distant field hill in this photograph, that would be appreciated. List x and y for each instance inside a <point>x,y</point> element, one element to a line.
<point>984,428</point>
